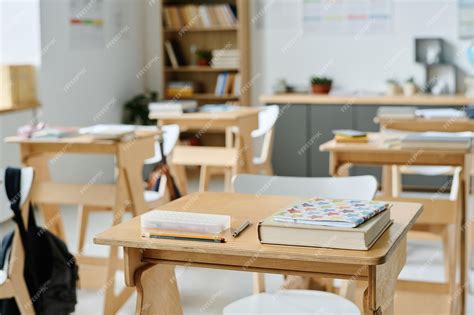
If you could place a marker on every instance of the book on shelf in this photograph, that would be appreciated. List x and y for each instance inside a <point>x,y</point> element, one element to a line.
<point>173,53</point>
<point>184,225</point>
<point>225,84</point>
<point>437,140</point>
<point>178,89</point>
<point>330,223</point>
<point>225,58</point>
<point>195,16</point>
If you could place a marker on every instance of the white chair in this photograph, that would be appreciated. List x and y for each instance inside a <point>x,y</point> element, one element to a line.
<point>12,282</point>
<point>263,138</point>
<point>152,198</point>
<point>301,301</point>
<point>262,145</point>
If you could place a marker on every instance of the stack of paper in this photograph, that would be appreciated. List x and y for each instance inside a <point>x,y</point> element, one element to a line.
<point>437,140</point>
<point>440,113</point>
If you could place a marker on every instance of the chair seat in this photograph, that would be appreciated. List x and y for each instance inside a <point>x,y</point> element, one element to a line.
<point>151,195</point>
<point>292,302</point>
<point>204,156</point>
<point>427,170</point>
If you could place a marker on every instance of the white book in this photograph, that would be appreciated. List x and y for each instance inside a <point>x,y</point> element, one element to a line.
<point>236,87</point>
<point>220,84</point>
<point>109,132</point>
<point>206,21</point>
<point>440,113</point>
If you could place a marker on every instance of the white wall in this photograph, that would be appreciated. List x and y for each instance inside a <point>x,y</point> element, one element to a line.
<point>102,80</point>
<point>355,62</point>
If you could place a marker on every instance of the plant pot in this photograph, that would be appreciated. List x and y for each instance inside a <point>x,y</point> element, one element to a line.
<point>392,89</point>
<point>202,62</point>
<point>321,88</point>
<point>409,89</point>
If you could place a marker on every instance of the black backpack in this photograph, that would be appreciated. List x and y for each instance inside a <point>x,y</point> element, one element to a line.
<point>50,271</point>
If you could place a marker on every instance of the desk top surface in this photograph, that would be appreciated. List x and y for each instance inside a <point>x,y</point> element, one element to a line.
<point>381,143</point>
<point>80,139</point>
<point>399,100</point>
<point>256,208</point>
<point>225,115</point>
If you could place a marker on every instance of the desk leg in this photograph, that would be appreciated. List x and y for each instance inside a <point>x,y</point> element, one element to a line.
<point>379,296</point>
<point>387,180</point>
<point>51,213</point>
<point>112,302</point>
<point>157,291</point>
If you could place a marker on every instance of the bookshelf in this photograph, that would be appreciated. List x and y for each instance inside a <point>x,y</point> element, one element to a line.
<point>201,30</point>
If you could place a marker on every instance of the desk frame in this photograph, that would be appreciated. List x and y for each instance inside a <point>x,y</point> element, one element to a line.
<point>126,194</point>
<point>342,156</point>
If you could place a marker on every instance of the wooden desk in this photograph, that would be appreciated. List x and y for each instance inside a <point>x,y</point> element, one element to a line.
<point>244,118</point>
<point>424,124</point>
<point>126,194</point>
<point>436,212</point>
<point>149,264</point>
<point>360,99</point>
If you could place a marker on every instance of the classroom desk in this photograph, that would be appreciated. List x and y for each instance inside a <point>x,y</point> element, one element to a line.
<point>245,118</point>
<point>149,264</point>
<point>127,193</point>
<point>312,118</point>
<point>436,211</point>
<point>423,124</point>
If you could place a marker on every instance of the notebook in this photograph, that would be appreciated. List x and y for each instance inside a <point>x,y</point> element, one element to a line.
<point>437,140</point>
<point>109,132</point>
<point>331,212</point>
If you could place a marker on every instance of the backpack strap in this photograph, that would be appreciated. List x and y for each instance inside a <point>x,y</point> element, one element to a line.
<point>13,190</point>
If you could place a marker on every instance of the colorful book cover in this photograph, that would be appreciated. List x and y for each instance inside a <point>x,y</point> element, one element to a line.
<point>331,212</point>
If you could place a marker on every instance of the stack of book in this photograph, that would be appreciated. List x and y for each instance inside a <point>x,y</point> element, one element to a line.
<point>225,58</point>
<point>173,107</point>
<point>396,112</point>
<point>350,136</point>
<point>330,223</point>
<point>227,84</point>
<point>437,140</point>
<point>179,89</point>
<point>190,15</point>
<point>189,226</point>
<point>110,132</point>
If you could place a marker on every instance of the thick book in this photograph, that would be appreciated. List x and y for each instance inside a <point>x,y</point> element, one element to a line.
<point>359,238</point>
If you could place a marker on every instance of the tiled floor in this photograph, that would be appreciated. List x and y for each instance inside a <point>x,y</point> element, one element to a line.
<point>201,296</point>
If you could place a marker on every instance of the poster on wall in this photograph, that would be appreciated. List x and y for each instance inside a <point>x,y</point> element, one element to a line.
<point>466,19</point>
<point>86,24</point>
<point>348,17</point>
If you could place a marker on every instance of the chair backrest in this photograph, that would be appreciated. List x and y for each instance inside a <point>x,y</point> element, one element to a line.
<point>170,138</point>
<point>353,187</point>
<point>267,118</point>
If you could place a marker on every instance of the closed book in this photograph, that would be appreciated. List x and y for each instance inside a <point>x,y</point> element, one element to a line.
<point>437,141</point>
<point>398,112</point>
<point>358,238</point>
<point>346,139</point>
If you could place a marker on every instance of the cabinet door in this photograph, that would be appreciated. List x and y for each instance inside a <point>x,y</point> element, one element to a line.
<point>323,120</point>
<point>290,135</point>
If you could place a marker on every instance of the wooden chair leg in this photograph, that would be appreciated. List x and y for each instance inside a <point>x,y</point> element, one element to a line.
<point>258,282</point>
<point>22,297</point>
<point>268,168</point>
<point>179,173</point>
<point>83,218</point>
<point>204,179</point>
<point>396,181</point>
<point>228,180</point>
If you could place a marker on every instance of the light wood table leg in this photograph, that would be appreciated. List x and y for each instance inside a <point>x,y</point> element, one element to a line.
<point>157,291</point>
<point>112,302</point>
<point>246,146</point>
<point>51,213</point>
<point>387,180</point>
<point>379,296</point>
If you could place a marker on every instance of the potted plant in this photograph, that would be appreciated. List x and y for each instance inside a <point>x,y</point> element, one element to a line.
<point>392,87</point>
<point>203,57</point>
<point>409,87</point>
<point>321,85</point>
